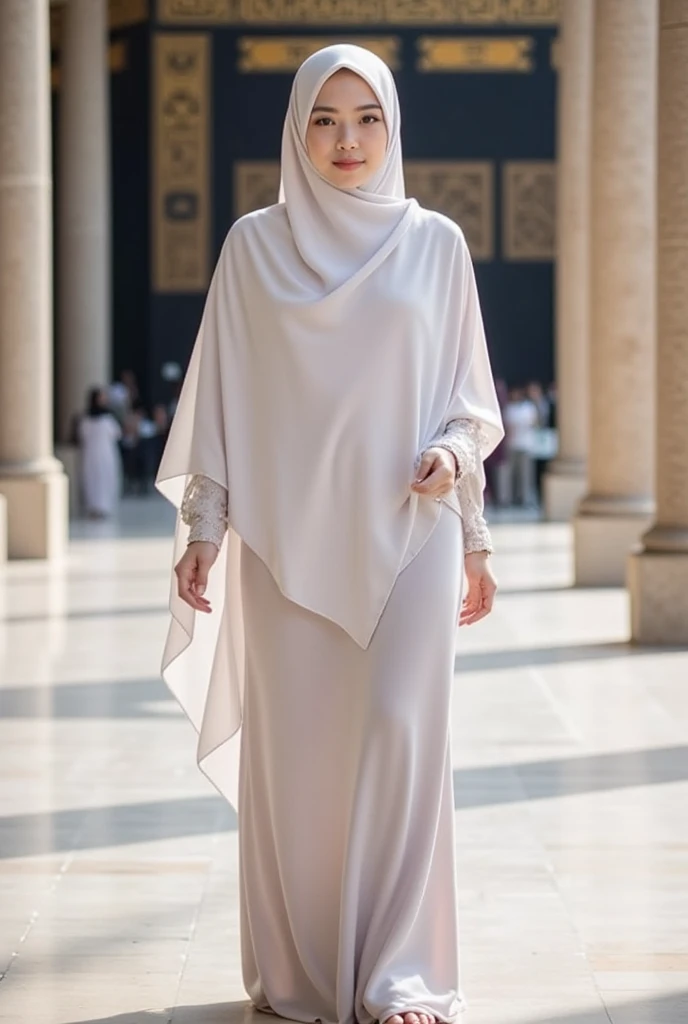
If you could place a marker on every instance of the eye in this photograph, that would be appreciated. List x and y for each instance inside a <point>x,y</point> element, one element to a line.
<point>370,119</point>
<point>323,121</point>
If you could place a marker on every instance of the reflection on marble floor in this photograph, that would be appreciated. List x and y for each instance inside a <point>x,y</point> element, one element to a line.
<point>118,889</point>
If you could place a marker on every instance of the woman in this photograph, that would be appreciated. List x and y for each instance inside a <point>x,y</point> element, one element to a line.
<point>341,347</point>
<point>98,434</point>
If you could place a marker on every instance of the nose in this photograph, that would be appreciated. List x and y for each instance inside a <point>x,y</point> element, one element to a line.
<point>347,138</point>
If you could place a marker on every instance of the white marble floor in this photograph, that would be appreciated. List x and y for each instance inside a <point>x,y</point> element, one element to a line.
<point>118,890</point>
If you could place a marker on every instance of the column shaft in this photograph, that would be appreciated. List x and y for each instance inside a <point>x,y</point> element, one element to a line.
<point>84,207</point>
<point>659,573</point>
<point>564,483</point>
<point>25,238</point>
<point>31,479</point>
<point>618,505</point>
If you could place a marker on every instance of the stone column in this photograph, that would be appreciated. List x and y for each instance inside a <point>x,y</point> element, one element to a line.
<point>564,483</point>
<point>31,479</point>
<point>84,306</point>
<point>658,574</point>
<point>619,502</point>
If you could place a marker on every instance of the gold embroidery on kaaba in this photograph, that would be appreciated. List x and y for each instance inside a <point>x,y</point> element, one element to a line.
<point>199,12</point>
<point>256,184</point>
<point>286,53</point>
<point>475,53</point>
<point>122,13</point>
<point>359,12</point>
<point>181,182</point>
<point>462,190</point>
<point>529,197</point>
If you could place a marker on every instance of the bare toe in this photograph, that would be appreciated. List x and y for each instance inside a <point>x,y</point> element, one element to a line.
<point>411,1018</point>
<point>396,1019</point>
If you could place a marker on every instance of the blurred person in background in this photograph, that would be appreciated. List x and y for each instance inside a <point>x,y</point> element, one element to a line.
<point>552,399</point>
<point>98,435</point>
<point>129,446</point>
<point>123,392</point>
<point>139,449</point>
<point>544,439</point>
<point>520,421</point>
<point>161,419</point>
<point>537,396</point>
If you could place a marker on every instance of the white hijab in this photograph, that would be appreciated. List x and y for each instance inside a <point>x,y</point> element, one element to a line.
<point>338,231</point>
<point>341,333</point>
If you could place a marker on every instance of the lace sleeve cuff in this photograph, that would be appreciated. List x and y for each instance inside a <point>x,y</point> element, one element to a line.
<point>476,533</point>
<point>463,438</point>
<point>204,510</point>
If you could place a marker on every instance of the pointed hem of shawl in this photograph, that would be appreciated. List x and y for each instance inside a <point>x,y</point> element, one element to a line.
<point>203,658</point>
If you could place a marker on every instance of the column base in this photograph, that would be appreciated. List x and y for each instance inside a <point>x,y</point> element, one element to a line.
<point>658,584</point>
<point>3,530</point>
<point>562,494</point>
<point>602,544</point>
<point>37,515</point>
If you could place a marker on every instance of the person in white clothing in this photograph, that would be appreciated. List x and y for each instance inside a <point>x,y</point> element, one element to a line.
<point>520,421</point>
<point>98,436</point>
<point>326,456</point>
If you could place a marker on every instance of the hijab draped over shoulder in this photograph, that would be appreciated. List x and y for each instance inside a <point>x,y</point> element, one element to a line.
<point>341,333</point>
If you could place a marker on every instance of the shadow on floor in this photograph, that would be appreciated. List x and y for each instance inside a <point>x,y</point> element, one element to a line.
<point>25,835</point>
<point>569,776</point>
<point>525,657</point>
<point>665,1009</point>
<point>85,616</point>
<point>114,700</point>
<point>209,1013</point>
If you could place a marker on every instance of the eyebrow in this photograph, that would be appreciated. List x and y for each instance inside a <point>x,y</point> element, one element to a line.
<point>333,110</point>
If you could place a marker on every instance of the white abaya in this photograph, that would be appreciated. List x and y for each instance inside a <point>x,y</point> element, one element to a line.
<point>341,335</point>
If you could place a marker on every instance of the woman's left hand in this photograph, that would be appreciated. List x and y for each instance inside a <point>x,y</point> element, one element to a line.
<point>482,587</point>
<point>436,474</point>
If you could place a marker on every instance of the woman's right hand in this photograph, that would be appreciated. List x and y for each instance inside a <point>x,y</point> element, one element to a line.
<point>192,574</point>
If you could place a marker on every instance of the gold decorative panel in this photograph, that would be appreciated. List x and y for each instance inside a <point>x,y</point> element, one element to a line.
<point>287,53</point>
<point>460,189</point>
<point>475,53</point>
<point>256,184</point>
<point>463,191</point>
<point>529,193</point>
<point>359,12</point>
<point>127,12</point>
<point>181,182</point>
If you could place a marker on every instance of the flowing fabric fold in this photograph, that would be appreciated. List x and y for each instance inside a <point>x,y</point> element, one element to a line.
<point>318,376</point>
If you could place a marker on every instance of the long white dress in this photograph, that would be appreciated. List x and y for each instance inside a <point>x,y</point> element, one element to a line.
<point>347,871</point>
<point>100,471</point>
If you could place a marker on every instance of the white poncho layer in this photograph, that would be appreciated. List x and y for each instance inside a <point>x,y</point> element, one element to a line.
<point>341,333</point>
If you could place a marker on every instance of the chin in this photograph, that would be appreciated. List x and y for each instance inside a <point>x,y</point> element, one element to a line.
<point>349,181</point>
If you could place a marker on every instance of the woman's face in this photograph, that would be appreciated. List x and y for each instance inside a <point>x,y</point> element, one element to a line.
<point>347,134</point>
